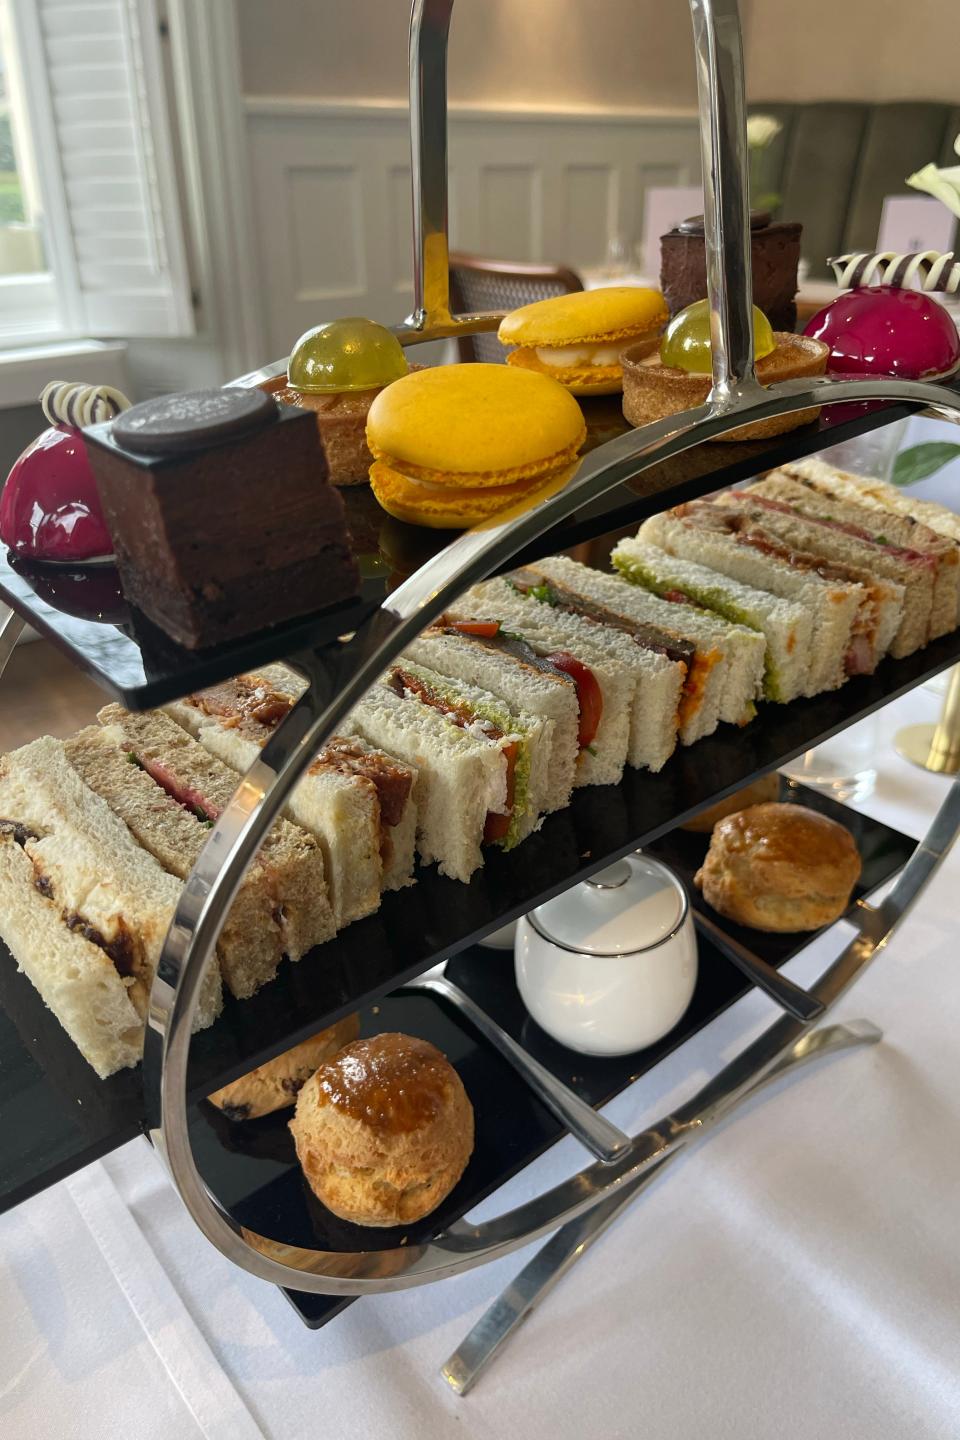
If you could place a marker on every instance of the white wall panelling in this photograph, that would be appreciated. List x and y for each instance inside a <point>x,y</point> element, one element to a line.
<point>331,197</point>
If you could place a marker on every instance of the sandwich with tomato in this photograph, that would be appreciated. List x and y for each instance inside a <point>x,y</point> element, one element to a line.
<point>641,685</point>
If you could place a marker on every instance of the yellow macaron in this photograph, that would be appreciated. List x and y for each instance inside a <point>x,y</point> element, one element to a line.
<point>577,339</point>
<point>454,445</point>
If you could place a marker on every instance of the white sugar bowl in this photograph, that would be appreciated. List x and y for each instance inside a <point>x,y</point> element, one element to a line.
<point>610,965</point>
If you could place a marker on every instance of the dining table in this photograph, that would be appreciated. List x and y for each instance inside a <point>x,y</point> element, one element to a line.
<point>794,1274</point>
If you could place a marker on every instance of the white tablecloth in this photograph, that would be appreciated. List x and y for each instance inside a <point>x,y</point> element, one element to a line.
<point>797,1274</point>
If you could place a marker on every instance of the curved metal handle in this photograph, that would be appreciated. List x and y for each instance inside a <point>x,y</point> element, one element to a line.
<point>789,996</point>
<point>600,1137</point>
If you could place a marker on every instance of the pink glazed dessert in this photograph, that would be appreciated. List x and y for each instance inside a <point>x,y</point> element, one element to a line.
<point>882,330</point>
<point>49,507</point>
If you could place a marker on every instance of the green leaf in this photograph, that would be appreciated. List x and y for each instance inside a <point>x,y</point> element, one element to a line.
<point>922,460</point>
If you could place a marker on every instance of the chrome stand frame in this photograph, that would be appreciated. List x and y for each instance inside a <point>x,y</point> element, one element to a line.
<point>334,688</point>
<point>12,627</point>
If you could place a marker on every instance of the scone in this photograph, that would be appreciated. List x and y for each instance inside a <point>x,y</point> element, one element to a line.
<point>779,867</point>
<point>276,1084</point>
<point>756,793</point>
<point>384,1130</point>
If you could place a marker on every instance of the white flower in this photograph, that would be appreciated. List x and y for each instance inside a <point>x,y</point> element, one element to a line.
<point>762,129</point>
<point>942,184</point>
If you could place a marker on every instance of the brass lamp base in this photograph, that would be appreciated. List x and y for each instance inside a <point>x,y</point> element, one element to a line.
<point>915,743</point>
<point>935,747</point>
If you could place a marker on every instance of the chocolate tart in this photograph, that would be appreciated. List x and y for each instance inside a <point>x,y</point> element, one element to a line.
<point>652,391</point>
<point>775,255</point>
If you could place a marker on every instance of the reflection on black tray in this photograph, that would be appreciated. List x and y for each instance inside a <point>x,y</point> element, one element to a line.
<point>883,851</point>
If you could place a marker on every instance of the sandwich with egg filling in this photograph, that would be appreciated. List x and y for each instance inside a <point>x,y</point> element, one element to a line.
<point>483,765</point>
<point>83,909</point>
<point>578,339</point>
<point>359,803</point>
<point>785,626</point>
<point>725,671</point>
<point>641,683</point>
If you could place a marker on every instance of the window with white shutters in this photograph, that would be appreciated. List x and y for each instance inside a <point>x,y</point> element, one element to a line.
<point>101,136</point>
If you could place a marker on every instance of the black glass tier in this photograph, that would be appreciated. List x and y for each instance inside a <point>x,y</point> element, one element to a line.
<point>83,611</point>
<point>56,1116</point>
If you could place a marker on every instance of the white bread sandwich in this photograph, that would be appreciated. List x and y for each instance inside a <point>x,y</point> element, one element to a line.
<point>708,533</point>
<point>725,671</point>
<point>785,626</point>
<point>358,802</point>
<point>483,765</point>
<point>168,791</point>
<point>884,619</point>
<point>875,495</point>
<point>641,688</point>
<point>83,909</point>
<point>829,495</point>
<point>485,653</point>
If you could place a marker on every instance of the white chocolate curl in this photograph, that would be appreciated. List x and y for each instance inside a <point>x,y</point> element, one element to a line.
<point>929,269</point>
<point>68,402</point>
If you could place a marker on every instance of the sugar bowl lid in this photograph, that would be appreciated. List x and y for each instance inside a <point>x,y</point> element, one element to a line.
<point>633,905</point>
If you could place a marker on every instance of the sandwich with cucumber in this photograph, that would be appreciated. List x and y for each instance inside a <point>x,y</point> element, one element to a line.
<point>558,687</point>
<point>641,686</point>
<point>483,764</point>
<point>724,669</point>
<point>784,626</point>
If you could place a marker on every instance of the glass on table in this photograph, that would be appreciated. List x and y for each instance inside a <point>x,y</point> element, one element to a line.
<point>845,766</point>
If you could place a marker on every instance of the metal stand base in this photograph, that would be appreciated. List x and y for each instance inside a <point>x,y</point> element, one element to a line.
<point>916,743</point>
<point>935,747</point>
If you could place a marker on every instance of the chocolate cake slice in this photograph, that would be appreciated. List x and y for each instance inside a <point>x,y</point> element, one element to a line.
<point>775,246</point>
<point>221,513</point>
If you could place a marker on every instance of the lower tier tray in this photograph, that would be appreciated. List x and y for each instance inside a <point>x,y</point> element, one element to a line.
<point>56,1116</point>
<point>251,1167</point>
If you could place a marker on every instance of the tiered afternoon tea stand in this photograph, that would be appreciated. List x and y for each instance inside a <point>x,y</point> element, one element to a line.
<point>618,482</point>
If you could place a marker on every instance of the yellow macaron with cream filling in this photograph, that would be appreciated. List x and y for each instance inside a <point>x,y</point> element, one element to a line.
<point>578,338</point>
<point>454,445</point>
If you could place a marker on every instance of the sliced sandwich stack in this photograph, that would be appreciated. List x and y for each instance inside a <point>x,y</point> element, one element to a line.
<point>553,677</point>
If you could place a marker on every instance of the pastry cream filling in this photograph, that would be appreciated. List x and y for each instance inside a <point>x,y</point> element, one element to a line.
<point>572,357</point>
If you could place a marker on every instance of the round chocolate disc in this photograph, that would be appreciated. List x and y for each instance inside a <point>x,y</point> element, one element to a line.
<point>693,225</point>
<point>176,424</point>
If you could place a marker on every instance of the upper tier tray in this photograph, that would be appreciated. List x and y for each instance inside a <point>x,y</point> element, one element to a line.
<point>83,611</point>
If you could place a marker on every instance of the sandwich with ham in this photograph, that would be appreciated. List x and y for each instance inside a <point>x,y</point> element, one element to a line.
<point>83,908</point>
<point>840,607</point>
<point>896,547</point>
<point>168,791</point>
<point>876,495</point>
<point>785,626</point>
<point>358,802</point>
